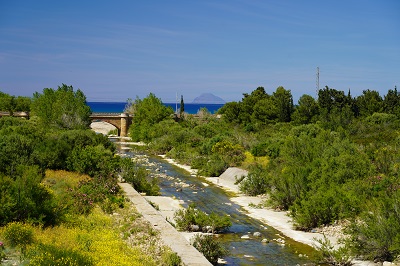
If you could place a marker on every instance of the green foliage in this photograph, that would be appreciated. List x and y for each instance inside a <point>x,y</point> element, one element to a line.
<point>391,102</point>
<point>90,160</point>
<point>332,255</point>
<point>284,104</point>
<point>13,104</point>
<point>62,108</point>
<point>376,235</point>
<point>18,234</point>
<point>187,218</point>
<point>48,255</point>
<point>209,247</point>
<point>182,107</point>
<point>26,151</point>
<point>255,183</point>
<point>24,198</point>
<point>171,259</point>
<point>137,176</point>
<point>232,154</point>
<point>369,102</point>
<point>147,112</point>
<point>306,110</point>
<point>231,112</point>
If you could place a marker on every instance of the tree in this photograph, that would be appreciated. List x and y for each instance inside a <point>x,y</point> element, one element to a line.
<point>391,102</point>
<point>11,103</point>
<point>231,112</point>
<point>265,110</point>
<point>306,110</point>
<point>62,108</point>
<point>182,107</point>
<point>147,112</point>
<point>369,102</point>
<point>248,103</point>
<point>284,104</point>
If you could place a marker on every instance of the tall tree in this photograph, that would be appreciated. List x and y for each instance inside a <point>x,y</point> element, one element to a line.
<point>231,112</point>
<point>248,103</point>
<point>369,102</point>
<point>63,108</point>
<point>391,102</point>
<point>284,104</point>
<point>182,107</point>
<point>306,110</point>
<point>146,113</point>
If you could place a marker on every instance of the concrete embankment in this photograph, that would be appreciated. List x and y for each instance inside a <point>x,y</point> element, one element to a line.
<point>170,236</point>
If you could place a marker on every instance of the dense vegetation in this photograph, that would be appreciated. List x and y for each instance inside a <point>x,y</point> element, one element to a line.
<point>57,177</point>
<point>11,103</point>
<point>326,159</point>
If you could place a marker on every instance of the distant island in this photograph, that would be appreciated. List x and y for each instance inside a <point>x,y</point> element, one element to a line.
<point>208,98</point>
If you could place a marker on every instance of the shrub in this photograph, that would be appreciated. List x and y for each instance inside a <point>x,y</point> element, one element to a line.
<point>187,218</point>
<point>25,198</point>
<point>376,235</point>
<point>255,183</point>
<point>171,259</point>
<point>19,235</point>
<point>137,176</point>
<point>209,247</point>
<point>331,255</point>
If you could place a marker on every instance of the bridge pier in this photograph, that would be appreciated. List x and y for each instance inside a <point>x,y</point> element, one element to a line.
<point>124,125</point>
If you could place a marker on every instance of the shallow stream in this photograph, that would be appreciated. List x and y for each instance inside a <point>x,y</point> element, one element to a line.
<point>178,183</point>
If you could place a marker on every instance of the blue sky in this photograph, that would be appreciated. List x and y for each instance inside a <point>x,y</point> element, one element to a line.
<point>114,50</point>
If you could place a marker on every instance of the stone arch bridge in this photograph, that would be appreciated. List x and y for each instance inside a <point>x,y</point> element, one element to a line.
<point>120,121</point>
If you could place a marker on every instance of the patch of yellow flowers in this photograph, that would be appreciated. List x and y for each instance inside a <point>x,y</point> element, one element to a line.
<point>94,238</point>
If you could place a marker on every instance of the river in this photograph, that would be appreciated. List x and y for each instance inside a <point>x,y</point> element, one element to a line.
<point>279,250</point>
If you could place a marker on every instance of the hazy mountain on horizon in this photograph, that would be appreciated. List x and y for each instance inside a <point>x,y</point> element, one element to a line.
<point>208,98</point>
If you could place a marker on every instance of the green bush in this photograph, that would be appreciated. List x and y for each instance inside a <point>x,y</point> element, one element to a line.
<point>255,183</point>
<point>376,234</point>
<point>19,235</point>
<point>171,259</point>
<point>138,176</point>
<point>329,254</point>
<point>25,198</point>
<point>90,160</point>
<point>209,247</point>
<point>187,218</point>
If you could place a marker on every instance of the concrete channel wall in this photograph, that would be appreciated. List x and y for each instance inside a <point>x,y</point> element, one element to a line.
<point>170,236</point>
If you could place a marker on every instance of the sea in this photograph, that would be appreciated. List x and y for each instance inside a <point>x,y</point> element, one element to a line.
<point>118,107</point>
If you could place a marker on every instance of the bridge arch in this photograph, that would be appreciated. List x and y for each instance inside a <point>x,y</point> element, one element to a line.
<point>120,121</point>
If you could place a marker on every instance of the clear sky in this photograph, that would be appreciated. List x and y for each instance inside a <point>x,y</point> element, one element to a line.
<point>114,50</point>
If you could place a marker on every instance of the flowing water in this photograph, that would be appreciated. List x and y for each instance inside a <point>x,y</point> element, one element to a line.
<point>280,250</point>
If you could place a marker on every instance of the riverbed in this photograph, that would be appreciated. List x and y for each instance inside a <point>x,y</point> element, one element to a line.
<point>249,240</point>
